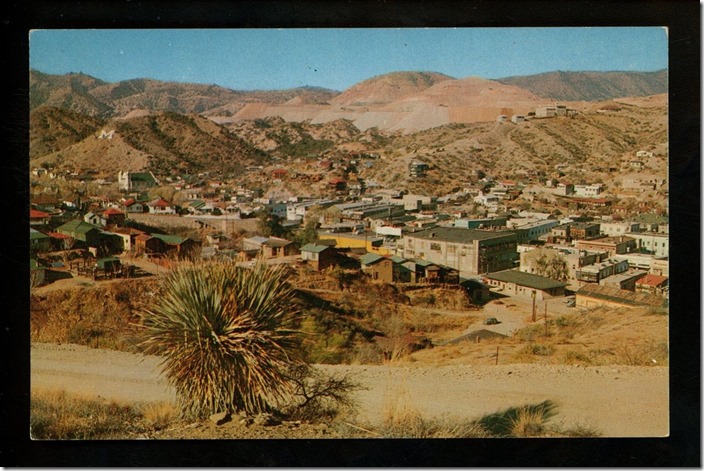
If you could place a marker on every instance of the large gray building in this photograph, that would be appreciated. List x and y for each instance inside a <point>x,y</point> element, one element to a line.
<point>470,251</point>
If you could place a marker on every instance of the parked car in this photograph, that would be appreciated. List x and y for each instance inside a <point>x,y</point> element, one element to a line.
<point>491,321</point>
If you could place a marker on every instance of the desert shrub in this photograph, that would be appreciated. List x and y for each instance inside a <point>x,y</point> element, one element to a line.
<point>651,353</point>
<point>225,336</point>
<point>317,396</point>
<point>538,349</point>
<point>572,356</point>
<point>524,421</point>
<point>530,332</point>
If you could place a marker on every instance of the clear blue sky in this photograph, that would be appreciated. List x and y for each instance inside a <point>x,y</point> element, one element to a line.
<point>247,59</point>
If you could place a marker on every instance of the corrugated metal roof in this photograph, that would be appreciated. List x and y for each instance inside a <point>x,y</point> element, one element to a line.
<point>529,280</point>
<point>370,258</point>
<point>621,296</point>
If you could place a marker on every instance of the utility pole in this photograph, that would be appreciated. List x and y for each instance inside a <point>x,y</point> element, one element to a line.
<point>546,318</point>
<point>533,296</point>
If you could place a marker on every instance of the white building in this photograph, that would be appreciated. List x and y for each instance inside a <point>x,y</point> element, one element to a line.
<point>588,191</point>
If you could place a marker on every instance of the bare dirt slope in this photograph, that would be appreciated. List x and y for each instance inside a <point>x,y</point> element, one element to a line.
<point>619,401</point>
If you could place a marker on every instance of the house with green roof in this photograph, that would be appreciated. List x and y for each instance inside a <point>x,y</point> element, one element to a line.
<point>318,256</point>
<point>378,267</point>
<point>179,247</point>
<point>525,285</point>
<point>85,234</point>
<point>38,241</point>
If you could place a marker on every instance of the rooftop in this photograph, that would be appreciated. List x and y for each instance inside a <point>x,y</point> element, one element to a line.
<point>314,248</point>
<point>525,279</point>
<point>621,296</point>
<point>652,280</point>
<point>370,258</point>
<point>458,234</point>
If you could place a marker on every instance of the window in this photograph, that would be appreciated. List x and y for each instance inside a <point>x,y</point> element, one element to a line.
<point>435,247</point>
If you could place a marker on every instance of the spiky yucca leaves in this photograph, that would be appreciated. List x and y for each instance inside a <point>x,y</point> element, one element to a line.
<point>225,336</point>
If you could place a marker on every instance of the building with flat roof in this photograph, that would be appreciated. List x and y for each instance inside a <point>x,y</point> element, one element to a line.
<point>469,251</point>
<point>525,285</point>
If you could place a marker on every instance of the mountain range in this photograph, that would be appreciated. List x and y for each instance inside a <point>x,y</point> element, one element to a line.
<point>399,101</point>
<point>82,124</point>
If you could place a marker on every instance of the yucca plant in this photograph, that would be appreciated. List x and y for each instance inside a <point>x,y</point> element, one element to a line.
<point>225,335</point>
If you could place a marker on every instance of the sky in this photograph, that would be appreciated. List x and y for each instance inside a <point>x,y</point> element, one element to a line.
<point>337,58</point>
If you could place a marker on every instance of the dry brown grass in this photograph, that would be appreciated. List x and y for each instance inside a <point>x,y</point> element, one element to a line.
<point>57,415</point>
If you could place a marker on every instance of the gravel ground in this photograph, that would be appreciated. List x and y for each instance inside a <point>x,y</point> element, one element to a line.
<point>619,401</point>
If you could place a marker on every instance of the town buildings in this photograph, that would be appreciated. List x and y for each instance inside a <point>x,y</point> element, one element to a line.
<point>469,251</point>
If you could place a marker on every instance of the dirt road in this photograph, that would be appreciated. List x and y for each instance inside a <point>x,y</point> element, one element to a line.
<point>618,401</point>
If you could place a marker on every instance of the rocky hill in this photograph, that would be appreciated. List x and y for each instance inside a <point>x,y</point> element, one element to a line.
<point>399,101</point>
<point>387,88</point>
<point>90,96</point>
<point>591,86</point>
<point>586,146</point>
<point>162,141</point>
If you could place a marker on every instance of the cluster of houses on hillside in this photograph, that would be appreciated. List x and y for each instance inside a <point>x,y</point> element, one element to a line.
<point>392,236</point>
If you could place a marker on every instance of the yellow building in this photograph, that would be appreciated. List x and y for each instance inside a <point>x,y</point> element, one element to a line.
<point>348,240</point>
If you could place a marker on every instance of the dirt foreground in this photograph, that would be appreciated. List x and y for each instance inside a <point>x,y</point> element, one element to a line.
<point>619,401</point>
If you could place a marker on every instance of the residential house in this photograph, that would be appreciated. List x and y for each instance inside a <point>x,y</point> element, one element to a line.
<point>131,205</point>
<point>112,216</point>
<point>588,191</point>
<point>38,218</point>
<point>337,184</point>
<point>161,206</point>
<point>269,247</point>
<point>564,188</point>
<point>319,257</point>
<point>46,203</point>
<point>38,241</point>
<point>279,173</point>
<point>478,291</point>
<point>179,247</point>
<point>378,267</point>
<point>468,251</point>
<point>525,285</point>
<point>517,118</point>
<point>146,244</point>
<point>85,234</point>
<point>417,168</point>
<point>128,236</point>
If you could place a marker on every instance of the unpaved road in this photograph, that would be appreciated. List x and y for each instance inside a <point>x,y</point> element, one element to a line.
<point>619,401</point>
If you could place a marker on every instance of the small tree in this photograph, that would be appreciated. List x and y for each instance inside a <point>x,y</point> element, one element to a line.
<point>551,265</point>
